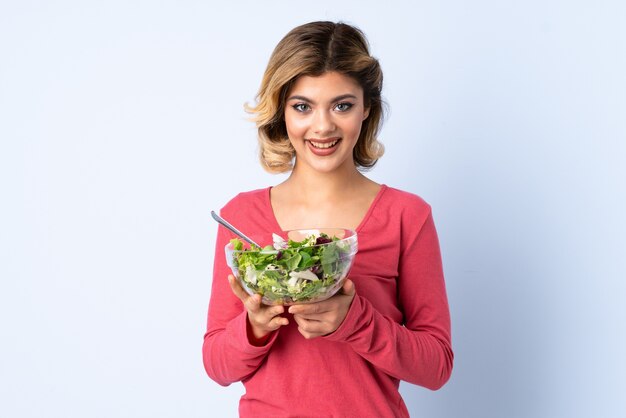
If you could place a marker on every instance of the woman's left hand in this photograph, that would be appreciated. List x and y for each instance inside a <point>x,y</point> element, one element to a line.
<point>322,318</point>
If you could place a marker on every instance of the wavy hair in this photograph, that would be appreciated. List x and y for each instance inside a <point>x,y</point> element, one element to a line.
<point>313,49</point>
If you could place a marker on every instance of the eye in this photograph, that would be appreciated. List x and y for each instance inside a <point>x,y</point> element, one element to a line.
<point>301,107</point>
<point>343,106</point>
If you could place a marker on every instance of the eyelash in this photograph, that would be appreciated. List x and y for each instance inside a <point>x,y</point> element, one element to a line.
<point>303,107</point>
<point>347,105</point>
<point>299,107</point>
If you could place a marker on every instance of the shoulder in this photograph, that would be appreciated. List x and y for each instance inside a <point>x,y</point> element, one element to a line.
<point>399,210</point>
<point>244,201</point>
<point>402,202</point>
<point>411,214</point>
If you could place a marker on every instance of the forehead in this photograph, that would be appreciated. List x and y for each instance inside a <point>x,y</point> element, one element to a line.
<point>327,85</point>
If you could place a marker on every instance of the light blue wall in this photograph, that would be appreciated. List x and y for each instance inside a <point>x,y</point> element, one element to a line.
<point>121,127</point>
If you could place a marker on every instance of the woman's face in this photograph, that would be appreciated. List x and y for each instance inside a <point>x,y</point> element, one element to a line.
<point>323,116</point>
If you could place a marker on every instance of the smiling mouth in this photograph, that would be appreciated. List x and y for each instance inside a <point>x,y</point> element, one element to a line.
<point>325,144</point>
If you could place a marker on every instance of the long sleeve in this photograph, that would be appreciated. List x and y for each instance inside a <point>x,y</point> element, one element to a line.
<point>227,354</point>
<point>397,328</point>
<point>419,350</point>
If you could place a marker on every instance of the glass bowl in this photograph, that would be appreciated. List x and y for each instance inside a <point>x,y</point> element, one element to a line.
<point>302,266</point>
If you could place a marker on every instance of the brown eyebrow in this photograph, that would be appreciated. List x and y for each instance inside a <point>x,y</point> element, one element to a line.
<point>336,99</point>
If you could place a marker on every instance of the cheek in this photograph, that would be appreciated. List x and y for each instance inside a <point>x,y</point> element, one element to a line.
<point>354,126</point>
<point>295,127</point>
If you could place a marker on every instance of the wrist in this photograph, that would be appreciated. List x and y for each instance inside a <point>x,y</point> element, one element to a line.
<point>256,336</point>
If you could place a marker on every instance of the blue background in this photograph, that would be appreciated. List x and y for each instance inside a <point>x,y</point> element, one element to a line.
<point>122,126</point>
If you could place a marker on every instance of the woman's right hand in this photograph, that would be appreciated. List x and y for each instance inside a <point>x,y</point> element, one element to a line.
<point>262,319</point>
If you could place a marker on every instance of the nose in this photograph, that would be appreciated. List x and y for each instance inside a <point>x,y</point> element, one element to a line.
<point>323,122</point>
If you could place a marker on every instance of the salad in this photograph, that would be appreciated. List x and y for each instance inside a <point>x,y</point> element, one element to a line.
<point>294,271</point>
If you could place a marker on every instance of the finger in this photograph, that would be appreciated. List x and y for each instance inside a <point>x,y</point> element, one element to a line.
<point>270,312</point>
<point>308,309</point>
<point>310,329</point>
<point>277,322</point>
<point>267,316</point>
<point>308,335</point>
<point>348,288</point>
<point>235,286</point>
<point>275,310</point>
<point>270,322</point>
<point>253,303</point>
<point>312,317</point>
<point>307,322</point>
<point>301,321</point>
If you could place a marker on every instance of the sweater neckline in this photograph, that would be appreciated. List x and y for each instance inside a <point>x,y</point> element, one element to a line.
<point>268,203</point>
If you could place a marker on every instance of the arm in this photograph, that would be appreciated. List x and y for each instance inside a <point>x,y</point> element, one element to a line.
<point>228,351</point>
<point>420,351</point>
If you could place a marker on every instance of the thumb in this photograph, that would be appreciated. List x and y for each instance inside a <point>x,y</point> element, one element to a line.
<point>348,288</point>
<point>237,289</point>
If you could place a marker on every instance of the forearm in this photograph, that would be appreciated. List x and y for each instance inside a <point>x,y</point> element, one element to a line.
<point>421,356</point>
<point>229,356</point>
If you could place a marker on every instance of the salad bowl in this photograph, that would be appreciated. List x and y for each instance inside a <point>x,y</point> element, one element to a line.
<point>301,266</point>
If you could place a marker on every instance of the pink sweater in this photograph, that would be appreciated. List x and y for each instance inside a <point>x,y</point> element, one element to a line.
<point>397,328</point>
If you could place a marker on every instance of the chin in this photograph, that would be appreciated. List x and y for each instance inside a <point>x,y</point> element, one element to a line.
<point>330,167</point>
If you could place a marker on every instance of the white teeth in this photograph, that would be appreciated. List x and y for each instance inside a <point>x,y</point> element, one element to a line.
<point>324,145</point>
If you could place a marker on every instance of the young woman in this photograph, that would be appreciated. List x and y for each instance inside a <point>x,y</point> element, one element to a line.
<point>318,113</point>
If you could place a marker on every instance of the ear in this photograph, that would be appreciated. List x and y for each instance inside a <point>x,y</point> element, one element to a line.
<point>366,113</point>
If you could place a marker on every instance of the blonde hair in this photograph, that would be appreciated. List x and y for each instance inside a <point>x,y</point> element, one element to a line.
<point>313,49</point>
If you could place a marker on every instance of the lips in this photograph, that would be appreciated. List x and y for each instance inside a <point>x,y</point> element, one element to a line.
<point>323,147</point>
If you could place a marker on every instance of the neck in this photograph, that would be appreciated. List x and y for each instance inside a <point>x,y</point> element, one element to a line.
<point>324,186</point>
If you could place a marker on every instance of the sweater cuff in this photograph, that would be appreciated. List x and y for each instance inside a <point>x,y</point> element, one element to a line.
<point>239,336</point>
<point>350,322</point>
